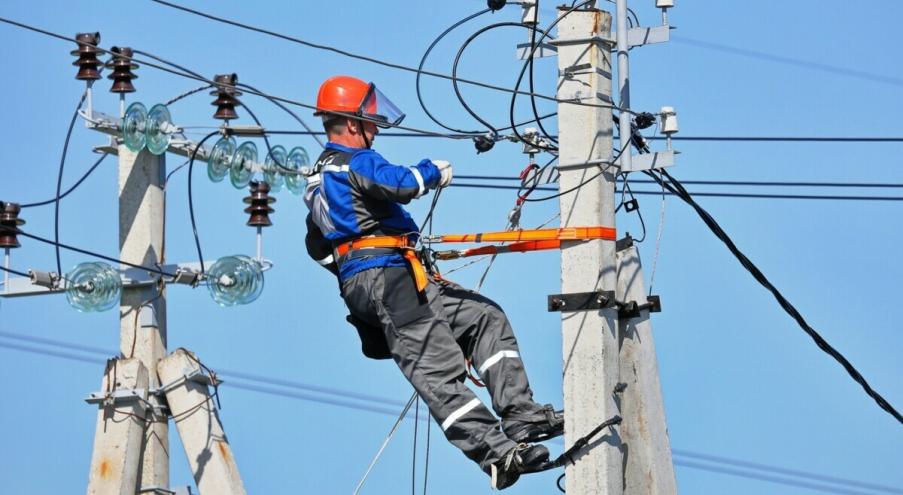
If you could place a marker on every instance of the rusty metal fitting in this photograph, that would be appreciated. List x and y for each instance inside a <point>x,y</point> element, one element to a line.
<point>87,52</point>
<point>10,221</point>
<point>259,204</point>
<point>121,64</point>
<point>226,96</point>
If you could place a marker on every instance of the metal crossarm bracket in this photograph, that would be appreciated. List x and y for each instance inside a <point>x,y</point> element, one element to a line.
<point>196,376</point>
<point>544,50</point>
<point>118,396</point>
<point>649,161</point>
<point>582,301</point>
<point>633,309</point>
<point>648,35</point>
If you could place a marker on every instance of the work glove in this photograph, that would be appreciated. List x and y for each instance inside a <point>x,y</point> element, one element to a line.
<point>445,171</point>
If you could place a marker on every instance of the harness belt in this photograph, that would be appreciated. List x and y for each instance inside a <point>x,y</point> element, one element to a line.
<point>397,242</point>
<point>521,240</point>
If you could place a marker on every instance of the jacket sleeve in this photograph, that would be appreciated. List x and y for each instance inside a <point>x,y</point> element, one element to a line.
<point>318,247</point>
<point>378,178</point>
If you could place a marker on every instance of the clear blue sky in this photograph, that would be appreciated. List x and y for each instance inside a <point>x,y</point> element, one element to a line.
<point>739,378</point>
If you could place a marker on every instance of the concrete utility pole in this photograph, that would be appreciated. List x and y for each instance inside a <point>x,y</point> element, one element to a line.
<point>141,213</point>
<point>589,338</point>
<point>648,467</point>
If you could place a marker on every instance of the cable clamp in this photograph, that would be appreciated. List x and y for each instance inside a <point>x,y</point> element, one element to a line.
<point>187,276</point>
<point>633,309</point>
<point>50,280</point>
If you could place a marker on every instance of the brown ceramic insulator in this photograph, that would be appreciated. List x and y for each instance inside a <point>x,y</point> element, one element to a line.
<point>122,66</point>
<point>9,219</point>
<point>226,96</point>
<point>259,204</point>
<point>87,56</point>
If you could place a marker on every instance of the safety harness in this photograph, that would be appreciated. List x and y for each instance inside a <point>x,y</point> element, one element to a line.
<point>520,241</point>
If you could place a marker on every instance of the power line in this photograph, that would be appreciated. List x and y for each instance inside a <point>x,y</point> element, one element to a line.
<point>713,194</point>
<point>675,186</point>
<point>250,92</point>
<point>892,185</point>
<point>372,59</point>
<point>788,60</point>
<point>72,188</point>
<point>85,251</point>
<point>694,463</point>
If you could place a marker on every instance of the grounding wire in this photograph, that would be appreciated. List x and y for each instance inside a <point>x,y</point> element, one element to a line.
<point>675,187</point>
<point>371,59</point>
<point>423,61</point>
<point>71,188</point>
<point>455,78</point>
<point>59,183</point>
<point>194,226</point>
<point>677,452</point>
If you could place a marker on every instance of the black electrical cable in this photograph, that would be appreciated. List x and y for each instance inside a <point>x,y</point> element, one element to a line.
<point>423,61</point>
<point>356,56</point>
<point>677,188</point>
<point>84,251</point>
<point>532,63</point>
<point>716,195</point>
<point>266,140</point>
<point>15,272</point>
<point>194,226</point>
<point>523,69</point>
<point>638,211</point>
<point>286,109</point>
<point>455,78</point>
<point>429,215</point>
<point>59,183</point>
<point>854,185</point>
<point>71,188</point>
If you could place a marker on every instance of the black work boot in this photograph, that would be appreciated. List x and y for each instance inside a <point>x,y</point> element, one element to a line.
<point>520,459</point>
<point>536,427</point>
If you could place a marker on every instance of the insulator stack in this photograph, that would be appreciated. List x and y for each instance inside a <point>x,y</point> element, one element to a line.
<point>259,204</point>
<point>226,96</point>
<point>87,56</point>
<point>9,221</point>
<point>122,66</point>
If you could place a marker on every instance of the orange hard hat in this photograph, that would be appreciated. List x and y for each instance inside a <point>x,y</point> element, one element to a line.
<point>351,95</point>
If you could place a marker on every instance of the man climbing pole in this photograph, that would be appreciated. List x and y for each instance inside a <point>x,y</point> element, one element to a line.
<point>358,230</point>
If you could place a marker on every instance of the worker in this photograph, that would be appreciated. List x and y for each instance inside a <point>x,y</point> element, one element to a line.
<point>358,229</point>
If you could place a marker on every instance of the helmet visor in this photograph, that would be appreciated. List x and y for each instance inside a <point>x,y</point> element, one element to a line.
<point>379,108</point>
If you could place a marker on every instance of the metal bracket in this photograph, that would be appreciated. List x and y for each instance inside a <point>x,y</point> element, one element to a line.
<point>196,376</point>
<point>158,490</point>
<point>631,309</point>
<point>544,50</point>
<point>118,396</point>
<point>640,36</point>
<point>582,301</point>
<point>582,41</point>
<point>649,161</point>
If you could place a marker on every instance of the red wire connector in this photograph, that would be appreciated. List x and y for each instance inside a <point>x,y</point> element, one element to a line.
<point>87,56</point>
<point>226,96</point>
<point>259,204</point>
<point>122,66</point>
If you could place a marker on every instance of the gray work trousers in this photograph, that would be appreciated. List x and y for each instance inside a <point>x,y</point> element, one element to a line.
<point>429,336</point>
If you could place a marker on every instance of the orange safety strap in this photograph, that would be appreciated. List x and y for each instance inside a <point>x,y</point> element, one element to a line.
<point>563,234</point>
<point>397,242</point>
<point>516,247</point>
